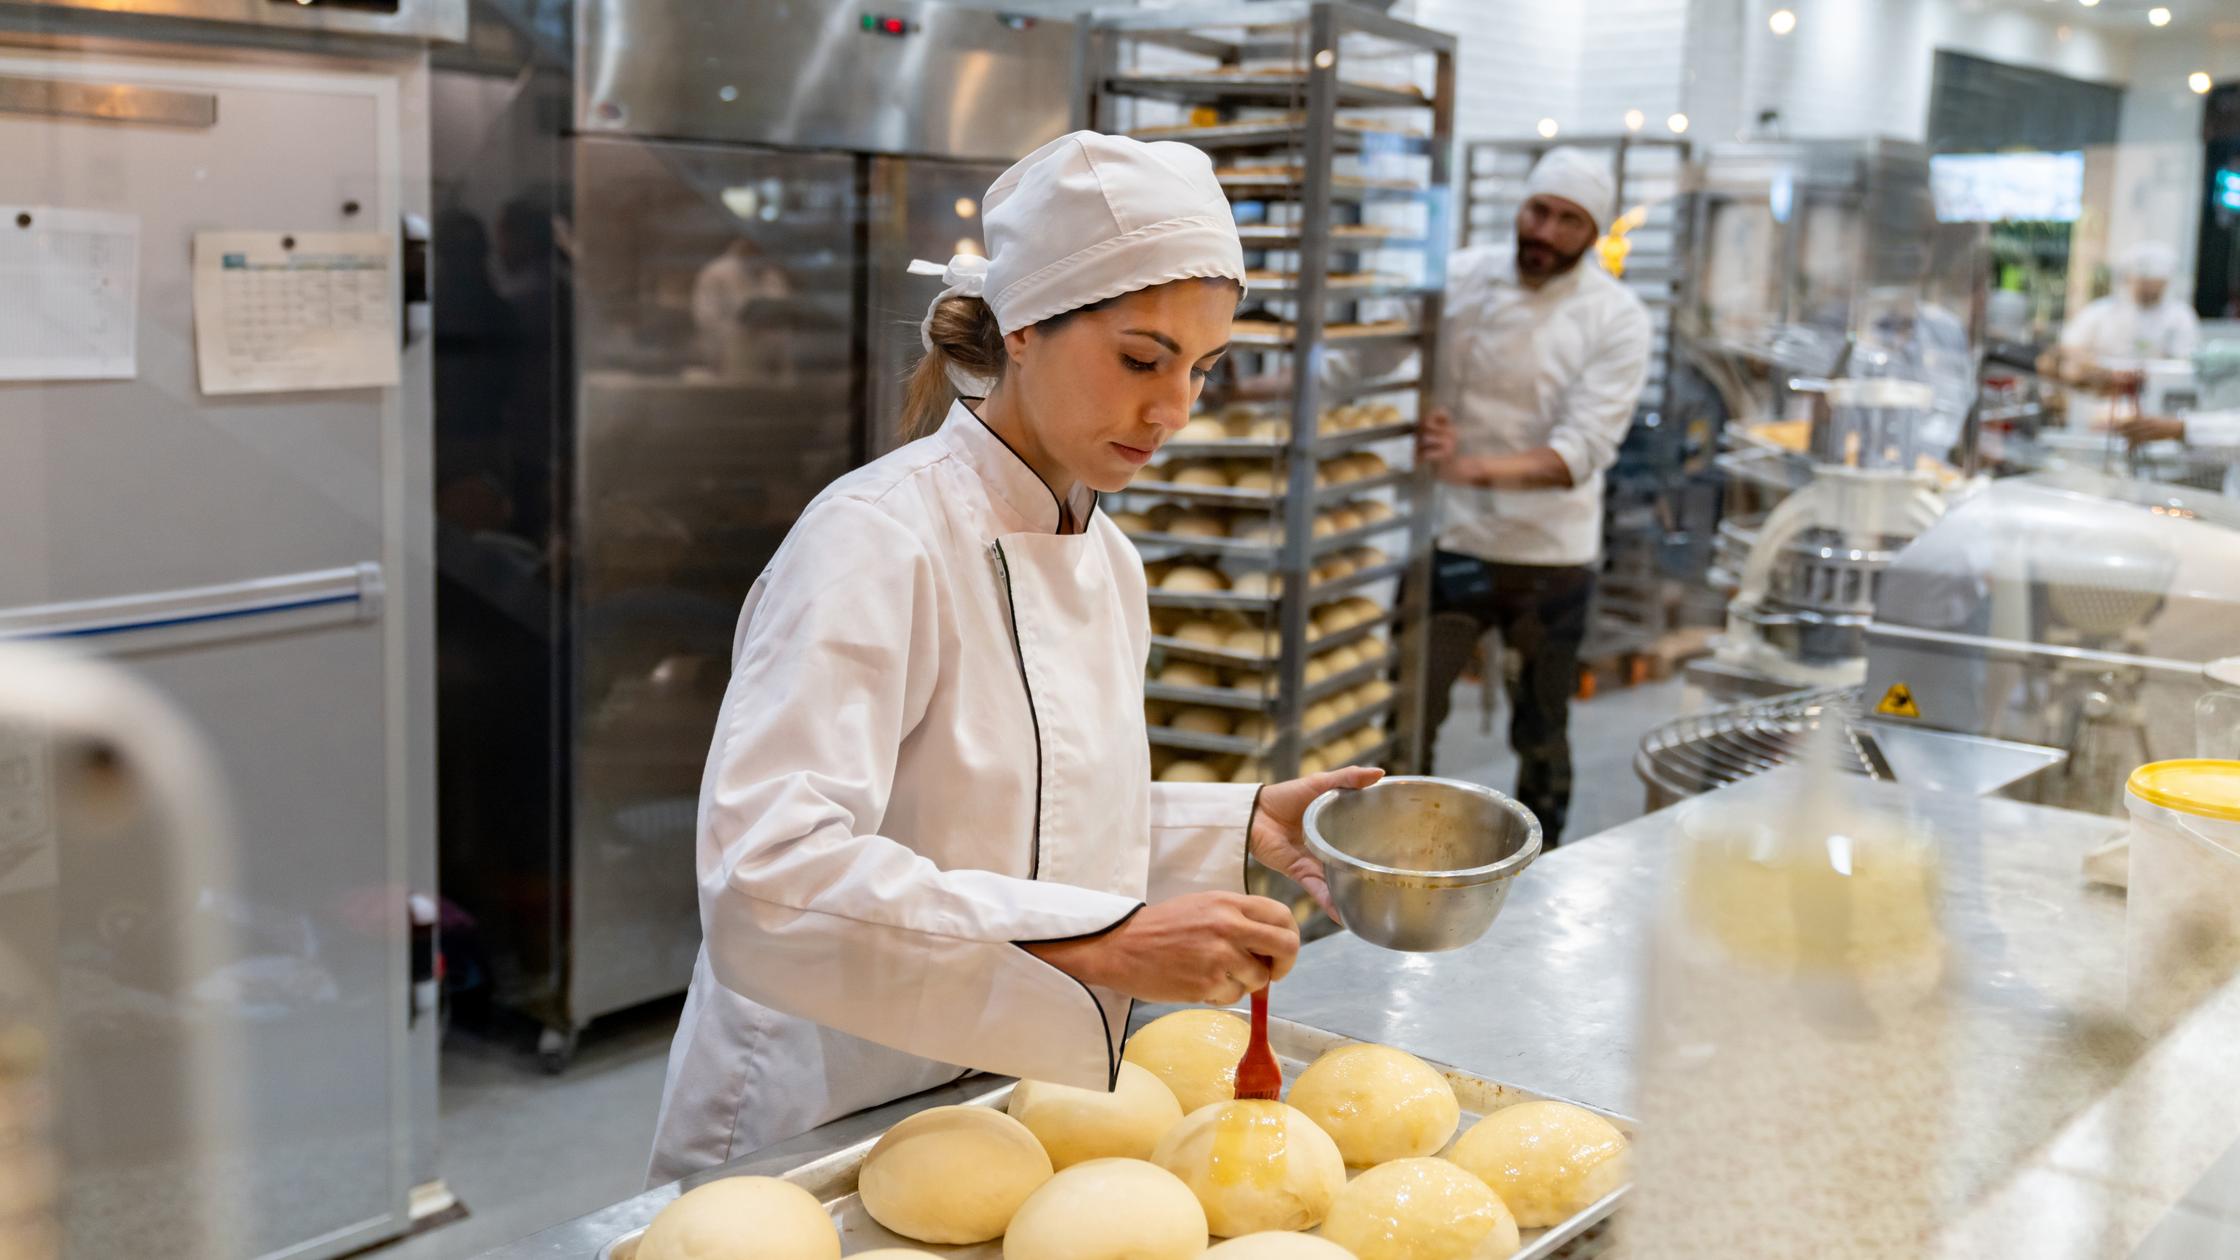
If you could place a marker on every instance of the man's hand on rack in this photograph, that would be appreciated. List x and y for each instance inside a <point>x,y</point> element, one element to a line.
<point>1435,440</point>
<point>2140,430</point>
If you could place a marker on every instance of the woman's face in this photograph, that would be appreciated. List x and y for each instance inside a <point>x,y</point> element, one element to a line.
<point>1103,390</point>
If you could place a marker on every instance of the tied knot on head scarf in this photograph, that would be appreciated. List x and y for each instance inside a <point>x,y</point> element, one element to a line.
<point>966,275</point>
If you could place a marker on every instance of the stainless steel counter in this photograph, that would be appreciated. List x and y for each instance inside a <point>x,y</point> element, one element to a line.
<point>1547,1001</point>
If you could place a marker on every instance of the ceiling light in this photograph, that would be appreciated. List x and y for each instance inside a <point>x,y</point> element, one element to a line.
<point>1636,120</point>
<point>1782,21</point>
<point>2158,17</point>
<point>2090,4</point>
<point>1547,129</point>
<point>2200,82</point>
<point>1678,124</point>
<point>967,207</point>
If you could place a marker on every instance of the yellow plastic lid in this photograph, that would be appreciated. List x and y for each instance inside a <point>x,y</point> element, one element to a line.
<point>2200,787</point>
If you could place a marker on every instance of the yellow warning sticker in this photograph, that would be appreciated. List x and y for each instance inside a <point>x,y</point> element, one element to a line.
<point>1898,702</point>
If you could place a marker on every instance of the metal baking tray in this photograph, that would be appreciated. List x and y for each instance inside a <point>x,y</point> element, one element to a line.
<point>833,1178</point>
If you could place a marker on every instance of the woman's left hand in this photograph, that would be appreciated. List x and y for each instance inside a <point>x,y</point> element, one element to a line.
<point>1278,838</point>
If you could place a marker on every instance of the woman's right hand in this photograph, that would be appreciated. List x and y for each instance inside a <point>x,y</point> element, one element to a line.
<point>1206,948</point>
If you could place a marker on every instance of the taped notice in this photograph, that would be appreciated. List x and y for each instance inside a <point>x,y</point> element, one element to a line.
<point>286,311</point>
<point>69,294</point>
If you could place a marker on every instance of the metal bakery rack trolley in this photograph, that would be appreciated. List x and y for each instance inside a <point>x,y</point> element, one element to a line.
<point>1278,528</point>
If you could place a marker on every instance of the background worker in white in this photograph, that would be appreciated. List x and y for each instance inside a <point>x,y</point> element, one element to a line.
<point>928,836</point>
<point>1542,357</point>
<point>2140,321</point>
<point>2216,433</point>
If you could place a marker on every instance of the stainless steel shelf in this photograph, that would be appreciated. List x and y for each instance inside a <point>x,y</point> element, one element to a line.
<point>1288,291</point>
<point>1261,500</point>
<point>1277,136</point>
<point>1350,723</point>
<point>1354,677</point>
<point>1188,651</point>
<point>1194,741</point>
<point>1327,445</point>
<point>1259,90</point>
<point>1257,340</point>
<point>1285,237</point>
<point>1347,585</point>
<point>1213,601</point>
<point>1212,697</point>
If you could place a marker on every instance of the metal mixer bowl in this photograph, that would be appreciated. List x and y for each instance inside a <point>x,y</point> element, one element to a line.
<point>1421,864</point>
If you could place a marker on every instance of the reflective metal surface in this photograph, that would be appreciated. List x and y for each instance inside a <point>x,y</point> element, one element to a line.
<point>1548,1000</point>
<point>1421,864</point>
<point>404,19</point>
<point>163,504</point>
<point>953,82</point>
<point>918,209</point>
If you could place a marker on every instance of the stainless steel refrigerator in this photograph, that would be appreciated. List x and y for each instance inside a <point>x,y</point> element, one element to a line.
<point>194,489</point>
<point>671,305</point>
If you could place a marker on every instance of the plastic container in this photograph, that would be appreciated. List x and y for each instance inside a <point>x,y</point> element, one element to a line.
<point>2216,716</point>
<point>2182,927</point>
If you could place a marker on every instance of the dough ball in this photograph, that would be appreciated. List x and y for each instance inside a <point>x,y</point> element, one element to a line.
<point>1197,474</point>
<point>1251,680</point>
<point>1257,531</point>
<point>1324,526</point>
<point>1255,726</point>
<point>1376,691</point>
<point>952,1175</point>
<point>895,1253</point>
<point>1190,771</point>
<point>1199,525</point>
<point>1547,1160</point>
<point>1369,464</point>
<point>1255,477</point>
<point>1369,557</point>
<point>1201,631</point>
<point>1421,1209</point>
<point>1378,1103</point>
<point>1132,522</point>
<point>1269,430</point>
<point>1317,716</point>
<point>1194,1052</point>
<point>1313,763</point>
<point>1374,510</point>
<point>1250,771</point>
<point>742,1218</point>
<point>1345,519</point>
<point>1344,658</point>
<point>1259,642</point>
<point>1255,1165</point>
<point>1192,578</point>
<point>1189,674</point>
<point>1260,585</point>
<point>1203,721</point>
<point>1079,1125</point>
<point>1109,1209</point>
<point>1384,413</point>
<point>1163,515</point>
<point>1202,429</point>
<point>1275,1246</point>
<point>1318,670</point>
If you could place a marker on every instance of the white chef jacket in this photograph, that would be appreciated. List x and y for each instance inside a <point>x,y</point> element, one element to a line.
<point>2117,328</point>
<point>2218,431</point>
<point>1561,366</point>
<point>931,750</point>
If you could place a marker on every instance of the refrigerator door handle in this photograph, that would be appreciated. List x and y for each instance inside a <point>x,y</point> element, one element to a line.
<point>205,614</point>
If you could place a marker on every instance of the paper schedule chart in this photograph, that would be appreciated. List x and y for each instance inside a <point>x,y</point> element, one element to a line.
<point>280,312</point>
<point>69,280</point>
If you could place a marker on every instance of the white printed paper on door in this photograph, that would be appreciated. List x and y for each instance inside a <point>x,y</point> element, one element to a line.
<point>69,282</point>
<point>279,312</point>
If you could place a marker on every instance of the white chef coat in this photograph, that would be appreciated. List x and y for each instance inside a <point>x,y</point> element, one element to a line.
<point>2218,432</point>
<point>1560,366</point>
<point>931,749</point>
<point>2116,328</point>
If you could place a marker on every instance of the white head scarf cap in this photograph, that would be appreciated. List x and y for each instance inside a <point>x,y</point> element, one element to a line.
<point>2150,260</point>
<point>1089,217</point>
<point>1579,178</point>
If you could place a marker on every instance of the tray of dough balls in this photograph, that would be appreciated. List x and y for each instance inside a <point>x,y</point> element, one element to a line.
<point>1243,429</point>
<point>1374,1154</point>
<point>1258,483</point>
<point>1177,528</point>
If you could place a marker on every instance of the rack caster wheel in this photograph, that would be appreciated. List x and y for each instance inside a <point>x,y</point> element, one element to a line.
<point>556,1048</point>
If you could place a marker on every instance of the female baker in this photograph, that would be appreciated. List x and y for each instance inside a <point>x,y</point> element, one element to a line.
<point>928,839</point>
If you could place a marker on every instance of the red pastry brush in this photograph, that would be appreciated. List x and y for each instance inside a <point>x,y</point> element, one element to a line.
<point>1258,1073</point>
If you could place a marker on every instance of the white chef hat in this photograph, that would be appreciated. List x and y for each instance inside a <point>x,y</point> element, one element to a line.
<point>1088,217</point>
<point>2150,260</point>
<point>1579,178</point>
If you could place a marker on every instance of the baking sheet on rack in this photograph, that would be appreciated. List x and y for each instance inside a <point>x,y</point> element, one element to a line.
<point>833,1178</point>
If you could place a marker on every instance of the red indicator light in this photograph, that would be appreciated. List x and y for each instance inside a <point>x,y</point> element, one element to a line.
<point>894,26</point>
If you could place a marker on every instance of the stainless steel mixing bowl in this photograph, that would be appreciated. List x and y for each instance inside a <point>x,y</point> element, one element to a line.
<point>1421,864</point>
